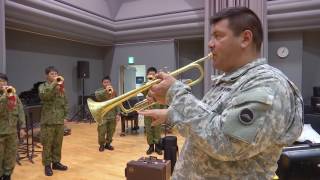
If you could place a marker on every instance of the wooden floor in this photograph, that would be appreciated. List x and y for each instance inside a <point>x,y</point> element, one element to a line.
<point>80,153</point>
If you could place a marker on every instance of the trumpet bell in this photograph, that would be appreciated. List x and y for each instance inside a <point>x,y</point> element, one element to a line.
<point>109,90</point>
<point>59,80</point>
<point>9,91</point>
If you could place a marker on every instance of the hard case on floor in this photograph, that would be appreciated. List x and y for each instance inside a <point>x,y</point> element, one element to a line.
<point>147,168</point>
<point>300,163</point>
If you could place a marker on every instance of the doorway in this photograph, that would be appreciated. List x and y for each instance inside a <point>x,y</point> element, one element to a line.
<point>132,77</point>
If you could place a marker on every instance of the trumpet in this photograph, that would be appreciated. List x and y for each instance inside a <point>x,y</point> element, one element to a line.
<point>144,104</point>
<point>59,80</point>
<point>8,91</point>
<point>99,109</point>
<point>151,78</point>
<point>109,90</point>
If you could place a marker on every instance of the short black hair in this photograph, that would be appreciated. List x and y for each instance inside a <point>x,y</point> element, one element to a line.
<point>150,69</point>
<point>241,19</point>
<point>50,69</point>
<point>106,78</point>
<point>4,76</point>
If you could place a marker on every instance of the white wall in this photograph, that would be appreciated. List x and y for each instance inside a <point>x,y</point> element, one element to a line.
<point>292,65</point>
<point>157,54</point>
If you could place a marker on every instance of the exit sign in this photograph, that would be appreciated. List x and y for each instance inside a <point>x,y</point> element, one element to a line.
<point>130,60</point>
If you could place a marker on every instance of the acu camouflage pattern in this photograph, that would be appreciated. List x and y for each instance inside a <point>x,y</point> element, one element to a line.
<point>219,143</point>
<point>8,134</point>
<point>54,111</point>
<point>108,126</point>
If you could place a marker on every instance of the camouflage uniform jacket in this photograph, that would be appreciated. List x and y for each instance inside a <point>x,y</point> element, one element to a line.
<point>10,118</point>
<point>102,95</point>
<point>54,108</point>
<point>238,129</point>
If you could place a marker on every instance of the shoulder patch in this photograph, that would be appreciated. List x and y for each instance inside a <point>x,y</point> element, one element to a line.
<point>246,116</point>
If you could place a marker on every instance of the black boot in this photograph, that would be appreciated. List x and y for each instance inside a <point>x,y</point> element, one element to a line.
<point>59,166</point>
<point>109,147</point>
<point>48,170</point>
<point>6,177</point>
<point>151,149</point>
<point>101,148</point>
<point>158,149</point>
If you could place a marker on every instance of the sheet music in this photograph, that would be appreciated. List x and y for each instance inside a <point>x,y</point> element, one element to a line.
<point>308,133</point>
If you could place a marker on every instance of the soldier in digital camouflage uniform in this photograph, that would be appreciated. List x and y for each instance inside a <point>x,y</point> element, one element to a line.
<point>108,126</point>
<point>53,114</point>
<point>153,132</point>
<point>238,129</point>
<point>11,113</point>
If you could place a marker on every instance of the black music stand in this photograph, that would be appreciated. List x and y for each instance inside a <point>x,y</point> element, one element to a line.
<point>33,114</point>
<point>132,116</point>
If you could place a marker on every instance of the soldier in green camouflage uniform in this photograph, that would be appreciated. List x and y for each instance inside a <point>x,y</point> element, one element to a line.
<point>11,113</point>
<point>238,129</point>
<point>153,132</point>
<point>53,114</point>
<point>107,128</point>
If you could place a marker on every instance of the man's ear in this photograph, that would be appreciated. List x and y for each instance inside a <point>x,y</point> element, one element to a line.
<point>246,38</point>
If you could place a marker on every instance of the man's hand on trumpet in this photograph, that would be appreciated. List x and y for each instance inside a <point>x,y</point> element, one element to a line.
<point>159,116</point>
<point>158,92</point>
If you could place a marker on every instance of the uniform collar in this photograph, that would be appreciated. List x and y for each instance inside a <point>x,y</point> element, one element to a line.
<point>226,77</point>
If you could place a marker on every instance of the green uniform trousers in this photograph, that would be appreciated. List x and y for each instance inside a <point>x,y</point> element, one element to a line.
<point>153,132</point>
<point>51,139</point>
<point>8,152</point>
<point>106,131</point>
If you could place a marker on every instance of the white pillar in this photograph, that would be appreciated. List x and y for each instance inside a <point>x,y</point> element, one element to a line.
<point>214,6</point>
<point>2,38</point>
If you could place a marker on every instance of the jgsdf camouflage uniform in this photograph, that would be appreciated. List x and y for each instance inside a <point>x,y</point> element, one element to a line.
<point>54,111</point>
<point>108,126</point>
<point>239,128</point>
<point>153,132</point>
<point>8,133</point>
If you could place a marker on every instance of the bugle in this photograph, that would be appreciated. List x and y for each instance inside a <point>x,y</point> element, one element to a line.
<point>59,80</point>
<point>109,90</point>
<point>8,91</point>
